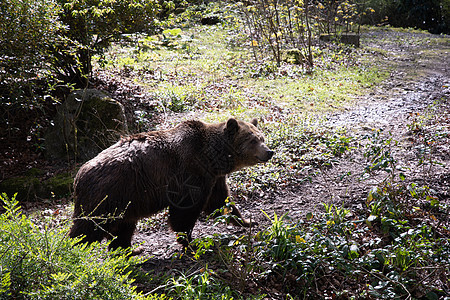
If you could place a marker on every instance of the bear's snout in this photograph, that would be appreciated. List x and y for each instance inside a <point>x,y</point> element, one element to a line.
<point>267,155</point>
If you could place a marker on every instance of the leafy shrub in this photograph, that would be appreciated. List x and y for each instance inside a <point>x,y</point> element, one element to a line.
<point>362,260</point>
<point>432,15</point>
<point>199,285</point>
<point>93,24</point>
<point>46,264</point>
<point>28,30</point>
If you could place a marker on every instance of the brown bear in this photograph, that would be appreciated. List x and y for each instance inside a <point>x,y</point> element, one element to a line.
<point>183,168</point>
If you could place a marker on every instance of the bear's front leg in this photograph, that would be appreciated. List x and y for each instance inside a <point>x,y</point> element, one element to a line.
<point>186,195</point>
<point>183,221</point>
<point>219,194</point>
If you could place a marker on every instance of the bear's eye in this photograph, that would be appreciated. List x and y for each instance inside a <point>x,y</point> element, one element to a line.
<point>253,142</point>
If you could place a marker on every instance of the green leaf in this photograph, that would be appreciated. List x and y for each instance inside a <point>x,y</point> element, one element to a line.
<point>371,218</point>
<point>172,32</point>
<point>432,296</point>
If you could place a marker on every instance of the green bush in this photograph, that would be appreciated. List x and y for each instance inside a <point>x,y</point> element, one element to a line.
<point>199,285</point>
<point>93,24</point>
<point>58,37</point>
<point>43,263</point>
<point>353,250</point>
<point>432,15</point>
<point>28,29</point>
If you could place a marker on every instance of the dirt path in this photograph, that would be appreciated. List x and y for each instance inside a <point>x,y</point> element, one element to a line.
<point>420,76</point>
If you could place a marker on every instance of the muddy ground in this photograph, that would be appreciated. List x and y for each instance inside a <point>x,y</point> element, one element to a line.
<point>419,78</point>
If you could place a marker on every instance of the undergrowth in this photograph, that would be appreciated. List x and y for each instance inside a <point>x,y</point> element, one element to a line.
<point>336,255</point>
<point>384,253</point>
<point>45,264</point>
<point>395,247</point>
<point>302,147</point>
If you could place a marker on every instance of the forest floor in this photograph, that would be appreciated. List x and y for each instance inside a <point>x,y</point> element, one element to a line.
<point>411,108</point>
<point>418,84</point>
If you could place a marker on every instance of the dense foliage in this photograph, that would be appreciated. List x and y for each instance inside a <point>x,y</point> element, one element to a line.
<point>432,15</point>
<point>28,30</point>
<point>55,40</point>
<point>92,24</point>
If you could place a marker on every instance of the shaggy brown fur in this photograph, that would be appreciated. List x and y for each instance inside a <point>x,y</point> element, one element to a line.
<point>183,168</point>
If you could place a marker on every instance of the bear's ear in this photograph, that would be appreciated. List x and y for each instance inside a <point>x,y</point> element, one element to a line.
<point>232,127</point>
<point>254,122</point>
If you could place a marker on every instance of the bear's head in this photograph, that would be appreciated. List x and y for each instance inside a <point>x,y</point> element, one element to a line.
<point>247,143</point>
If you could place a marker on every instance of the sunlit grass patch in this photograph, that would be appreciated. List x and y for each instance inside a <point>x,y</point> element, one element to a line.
<point>178,98</point>
<point>196,69</point>
<point>323,90</point>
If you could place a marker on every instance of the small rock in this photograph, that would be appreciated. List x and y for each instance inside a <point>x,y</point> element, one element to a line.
<point>210,20</point>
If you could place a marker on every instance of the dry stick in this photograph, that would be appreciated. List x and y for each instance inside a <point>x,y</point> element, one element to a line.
<point>275,48</point>
<point>276,30</point>
<point>302,30</point>
<point>260,46</point>
<point>102,219</point>
<point>262,29</point>
<point>291,28</point>
<point>310,61</point>
<point>384,277</point>
<point>434,270</point>
<point>249,24</point>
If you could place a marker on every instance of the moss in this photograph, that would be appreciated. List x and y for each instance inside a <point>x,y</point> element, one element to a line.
<point>102,113</point>
<point>99,122</point>
<point>60,185</point>
<point>30,186</point>
<point>294,56</point>
<point>35,172</point>
<point>26,187</point>
<point>345,38</point>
